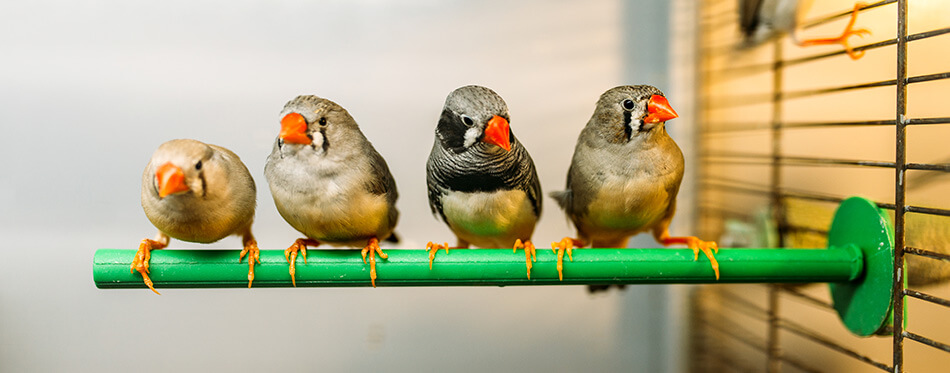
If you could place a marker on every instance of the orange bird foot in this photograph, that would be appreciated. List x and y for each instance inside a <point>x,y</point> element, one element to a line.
<point>529,253</point>
<point>848,32</point>
<point>291,255</point>
<point>140,262</point>
<point>433,248</point>
<point>568,244</point>
<point>253,254</point>
<point>707,247</point>
<point>372,247</point>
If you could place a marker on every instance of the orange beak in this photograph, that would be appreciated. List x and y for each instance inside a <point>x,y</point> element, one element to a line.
<point>659,110</point>
<point>293,129</point>
<point>171,180</point>
<point>497,133</point>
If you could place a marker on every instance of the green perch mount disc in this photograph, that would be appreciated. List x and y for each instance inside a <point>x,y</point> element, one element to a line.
<point>865,305</point>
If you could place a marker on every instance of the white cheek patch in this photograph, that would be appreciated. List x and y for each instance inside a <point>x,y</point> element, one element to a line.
<point>471,135</point>
<point>318,139</point>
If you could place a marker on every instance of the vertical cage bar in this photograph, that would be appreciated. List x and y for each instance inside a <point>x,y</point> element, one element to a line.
<point>900,160</point>
<point>774,362</point>
<point>703,107</point>
<point>775,178</point>
<point>774,350</point>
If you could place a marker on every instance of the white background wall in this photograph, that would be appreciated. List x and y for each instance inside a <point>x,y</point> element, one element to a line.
<point>88,91</point>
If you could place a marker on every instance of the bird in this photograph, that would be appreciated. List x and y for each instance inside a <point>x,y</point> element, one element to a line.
<point>329,182</point>
<point>481,180</point>
<point>762,20</point>
<point>624,175</point>
<point>197,192</point>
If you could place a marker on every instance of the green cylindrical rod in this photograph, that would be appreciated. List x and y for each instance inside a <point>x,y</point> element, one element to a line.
<point>172,268</point>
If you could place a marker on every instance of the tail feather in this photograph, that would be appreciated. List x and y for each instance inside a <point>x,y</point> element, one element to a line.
<point>593,289</point>
<point>563,198</point>
<point>393,238</point>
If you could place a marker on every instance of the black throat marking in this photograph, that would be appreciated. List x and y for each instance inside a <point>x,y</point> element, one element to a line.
<point>627,130</point>
<point>204,184</point>
<point>326,142</point>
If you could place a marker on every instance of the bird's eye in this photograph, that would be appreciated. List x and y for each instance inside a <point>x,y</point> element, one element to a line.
<point>627,104</point>
<point>198,165</point>
<point>468,120</point>
<point>323,121</point>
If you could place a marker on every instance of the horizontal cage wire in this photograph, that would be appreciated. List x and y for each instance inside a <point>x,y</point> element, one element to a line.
<point>725,128</point>
<point>728,101</point>
<point>757,189</point>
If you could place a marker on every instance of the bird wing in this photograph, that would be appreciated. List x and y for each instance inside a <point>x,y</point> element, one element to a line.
<point>532,186</point>
<point>381,182</point>
<point>433,182</point>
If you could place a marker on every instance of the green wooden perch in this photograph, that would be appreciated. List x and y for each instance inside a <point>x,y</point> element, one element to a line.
<point>858,263</point>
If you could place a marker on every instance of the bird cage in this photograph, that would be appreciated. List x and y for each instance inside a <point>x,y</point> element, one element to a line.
<point>787,133</point>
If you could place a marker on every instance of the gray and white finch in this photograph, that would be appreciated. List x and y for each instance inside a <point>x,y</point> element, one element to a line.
<point>761,20</point>
<point>625,174</point>
<point>329,182</point>
<point>481,180</point>
<point>197,192</point>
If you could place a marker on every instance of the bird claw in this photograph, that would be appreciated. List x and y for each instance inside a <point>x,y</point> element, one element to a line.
<point>141,260</point>
<point>253,254</point>
<point>848,32</point>
<point>529,253</point>
<point>847,46</point>
<point>697,245</point>
<point>372,248</point>
<point>433,248</point>
<point>705,246</point>
<point>568,244</point>
<point>291,255</point>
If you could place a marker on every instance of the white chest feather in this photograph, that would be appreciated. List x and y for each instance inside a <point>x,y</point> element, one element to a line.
<point>330,204</point>
<point>629,204</point>
<point>490,219</point>
<point>339,217</point>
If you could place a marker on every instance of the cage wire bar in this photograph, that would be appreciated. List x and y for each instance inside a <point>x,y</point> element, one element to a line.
<point>900,191</point>
<point>762,314</point>
<point>712,130</point>
<point>774,355</point>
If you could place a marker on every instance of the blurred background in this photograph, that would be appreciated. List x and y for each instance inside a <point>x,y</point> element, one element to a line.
<point>106,82</point>
<point>786,133</point>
